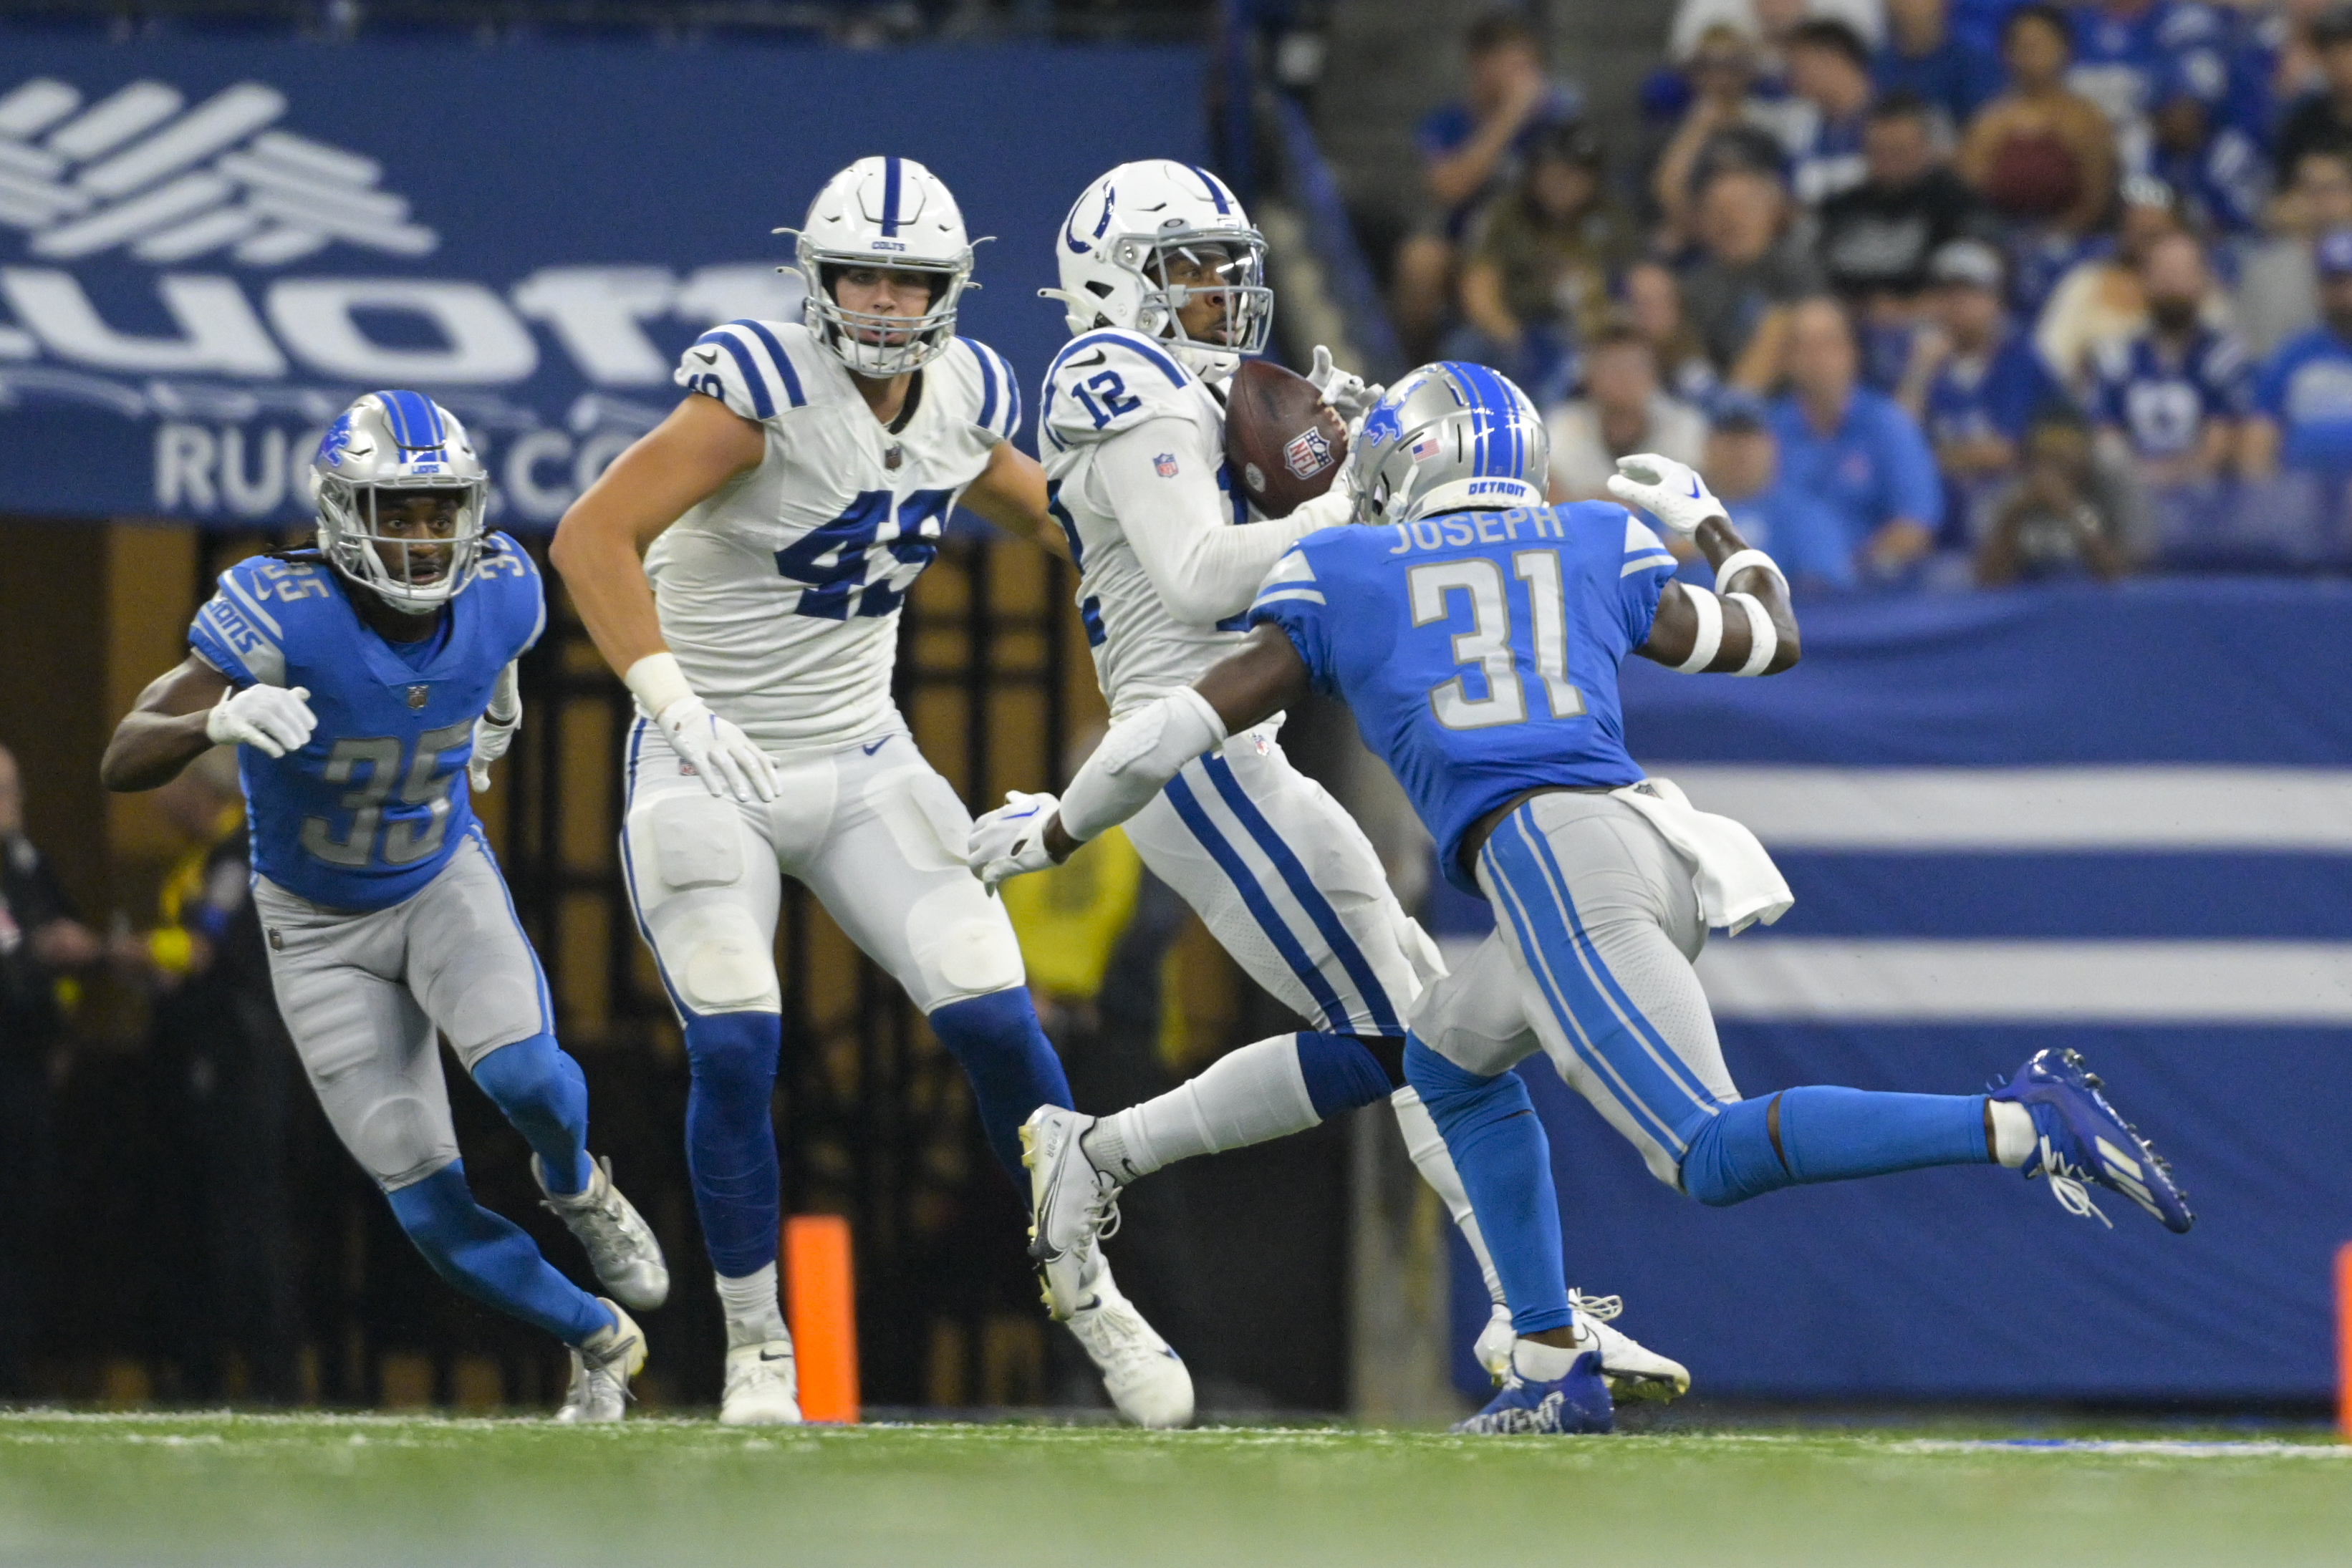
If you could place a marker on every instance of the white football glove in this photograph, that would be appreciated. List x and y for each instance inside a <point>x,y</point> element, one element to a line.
<point>491,738</point>
<point>1348,393</point>
<point>1011,841</point>
<point>271,719</point>
<point>1669,491</point>
<point>726,760</point>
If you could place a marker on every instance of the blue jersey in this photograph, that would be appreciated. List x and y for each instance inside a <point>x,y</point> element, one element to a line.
<point>372,809</point>
<point>2306,387</point>
<point>2161,400</point>
<point>1478,650</point>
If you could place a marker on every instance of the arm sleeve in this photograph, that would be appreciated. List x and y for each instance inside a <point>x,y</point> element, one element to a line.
<point>1914,488</point>
<point>1292,598</point>
<point>1160,481</point>
<point>236,635</point>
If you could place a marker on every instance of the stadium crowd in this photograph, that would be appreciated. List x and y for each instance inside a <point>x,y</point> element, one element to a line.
<point>1934,291</point>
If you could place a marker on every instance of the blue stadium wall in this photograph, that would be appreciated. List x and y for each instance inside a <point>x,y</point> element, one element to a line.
<point>207,246</point>
<point>2116,820</point>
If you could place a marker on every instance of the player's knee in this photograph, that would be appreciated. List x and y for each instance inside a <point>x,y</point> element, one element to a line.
<point>725,971</point>
<point>1457,1099</point>
<point>399,1140</point>
<point>963,945</point>
<point>1731,1158</point>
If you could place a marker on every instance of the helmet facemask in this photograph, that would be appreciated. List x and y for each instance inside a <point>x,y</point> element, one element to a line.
<point>412,569</point>
<point>1178,269</point>
<point>872,343</point>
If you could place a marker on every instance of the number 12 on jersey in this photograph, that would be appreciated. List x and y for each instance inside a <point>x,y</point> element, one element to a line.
<point>1487,644</point>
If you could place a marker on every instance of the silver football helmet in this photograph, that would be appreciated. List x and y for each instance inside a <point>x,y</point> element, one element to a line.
<point>1452,437</point>
<point>387,443</point>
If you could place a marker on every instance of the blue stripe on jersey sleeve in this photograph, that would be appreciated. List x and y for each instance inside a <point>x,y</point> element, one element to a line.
<point>793,393</point>
<point>1117,340</point>
<point>762,405</point>
<point>982,356</point>
<point>1013,396</point>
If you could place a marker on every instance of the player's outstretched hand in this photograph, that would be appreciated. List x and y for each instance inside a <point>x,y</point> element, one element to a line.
<point>1346,391</point>
<point>1011,840</point>
<point>727,761</point>
<point>1669,491</point>
<point>491,739</point>
<point>271,719</point>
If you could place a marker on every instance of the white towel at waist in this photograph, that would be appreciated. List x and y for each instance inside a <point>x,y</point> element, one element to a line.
<point>1738,882</point>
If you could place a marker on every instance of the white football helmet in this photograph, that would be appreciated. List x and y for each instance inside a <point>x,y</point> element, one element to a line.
<point>1449,437</point>
<point>387,442</point>
<point>1115,245</point>
<point>888,212</point>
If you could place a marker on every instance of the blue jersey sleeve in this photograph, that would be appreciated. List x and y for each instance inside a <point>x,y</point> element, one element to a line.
<point>1914,488</point>
<point>1292,598</point>
<point>1642,574</point>
<point>508,580</point>
<point>2270,381</point>
<point>239,631</point>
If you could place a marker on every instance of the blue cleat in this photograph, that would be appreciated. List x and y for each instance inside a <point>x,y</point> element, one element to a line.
<point>2083,1140</point>
<point>1576,1403</point>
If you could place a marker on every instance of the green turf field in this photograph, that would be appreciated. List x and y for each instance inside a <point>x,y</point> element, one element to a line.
<point>671,1494</point>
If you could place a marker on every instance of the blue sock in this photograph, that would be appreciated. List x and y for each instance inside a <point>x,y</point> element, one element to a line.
<point>1341,1072</point>
<point>541,1092</point>
<point>731,1137</point>
<point>1490,1129</point>
<point>491,1261</point>
<point>1830,1134</point>
<point>997,1040</point>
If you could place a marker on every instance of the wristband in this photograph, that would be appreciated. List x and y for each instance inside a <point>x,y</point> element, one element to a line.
<point>657,681</point>
<point>1710,640</point>
<point>1742,560</point>
<point>1763,637</point>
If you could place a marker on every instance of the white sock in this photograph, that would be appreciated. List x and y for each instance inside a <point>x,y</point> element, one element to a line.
<point>2014,1141</point>
<point>754,1316</point>
<point>1426,1144</point>
<point>1246,1096</point>
<point>1540,1363</point>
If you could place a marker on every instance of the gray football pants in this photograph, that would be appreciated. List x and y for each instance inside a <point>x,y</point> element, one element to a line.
<point>364,992</point>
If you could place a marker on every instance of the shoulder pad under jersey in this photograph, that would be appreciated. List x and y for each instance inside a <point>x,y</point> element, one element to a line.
<point>1109,381</point>
<point>979,387</point>
<point>758,368</point>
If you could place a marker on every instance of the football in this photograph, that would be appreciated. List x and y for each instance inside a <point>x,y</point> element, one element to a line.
<point>1285,443</point>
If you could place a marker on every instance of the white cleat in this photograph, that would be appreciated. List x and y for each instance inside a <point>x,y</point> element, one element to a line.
<point>1143,1376</point>
<point>601,1370</point>
<point>621,1248</point>
<point>1632,1370</point>
<point>1072,1205</point>
<point>762,1386</point>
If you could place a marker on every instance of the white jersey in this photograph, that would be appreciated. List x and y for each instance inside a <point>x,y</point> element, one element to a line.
<point>1135,469</point>
<point>780,593</point>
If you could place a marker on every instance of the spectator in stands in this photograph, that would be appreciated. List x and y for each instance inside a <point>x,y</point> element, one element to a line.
<point>1953,77</point>
<point>2217,171</point>
<point>1725,127</point>
<point>1535,283</point>
<point>1828,73</point>
<point>1742,467</point>
<point>1975,382</point>
<point>1876,238</point>
<point>1622,412</point>
<point>2125,50</point>
<point>2040,152</point>
<point>1654,308</point>
<point>2303,394</point>
<point>2323,121</point>
<point>1770,20</point>
<point>2100,297</point>
<point>1469,149</point>
<point>2062,518</point>
<point>1854,448</point>
<point>2278,287</point>
<point>40,943</point>
<point>2173,394</point>
<point>1752,269</point>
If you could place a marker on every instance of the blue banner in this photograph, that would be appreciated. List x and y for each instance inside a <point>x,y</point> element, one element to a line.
<point>2118,820</point>
<point>207,248</point>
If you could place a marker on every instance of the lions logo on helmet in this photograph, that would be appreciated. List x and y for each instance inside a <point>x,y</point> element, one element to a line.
<point>1147,241</point>
<point>1451,436</point>
<point>384,453</point>
<point>895,214</point>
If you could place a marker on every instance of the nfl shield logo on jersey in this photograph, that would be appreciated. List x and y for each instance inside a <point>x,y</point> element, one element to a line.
<point>1165,464</point>
<point>1308,454</point>
<point>417,695</point>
